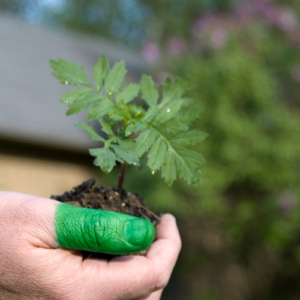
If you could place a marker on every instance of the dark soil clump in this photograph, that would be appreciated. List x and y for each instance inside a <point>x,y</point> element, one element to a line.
<point>111,199</point>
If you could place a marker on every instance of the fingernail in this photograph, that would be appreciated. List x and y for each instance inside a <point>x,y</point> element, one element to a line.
<point>139,232</point>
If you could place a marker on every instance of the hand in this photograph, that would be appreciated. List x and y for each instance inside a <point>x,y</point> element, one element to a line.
<point>33,267</point>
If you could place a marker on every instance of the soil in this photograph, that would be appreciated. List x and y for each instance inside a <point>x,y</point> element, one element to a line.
<point>112,199</point>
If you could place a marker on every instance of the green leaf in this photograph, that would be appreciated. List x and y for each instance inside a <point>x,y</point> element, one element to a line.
<point>168,171</point>
<point>156,154</point>
<point>181,121</point>
<point>126,155</point>
<point>134,127</point>
<point>69,73</point>
<point>105,158</point>
<point>186,101</point>
<point>128,93</point>
<point>149,90</point>
<point>168,112</point>
<point>191,155</point>
<point>115,116</point>
<point>84,103</point>
<point>191,137</point>
<point>100,110</point>
<point>150,114</point>
<point>90,131</point>
<point>101,70</point>
<point>74,95</point>
<point>145,141</point>
<point>173,91</point>
<point>137,111</point>
<point>115,78</point>
<point>187,163</point>
<point>124,110</point>
<point>106,127</point>
<point>125,143</point>
<point>189,115</point>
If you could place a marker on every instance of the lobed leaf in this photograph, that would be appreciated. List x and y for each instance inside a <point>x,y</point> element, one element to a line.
<point>191,137</point>
<point>135,127</point>
<point>186,101</point>
<point>173,91</point>
<point>125,143</point>
<point>150,114</point>
<point>101,109</point>
<point>181,121</point>
<point>91,132</point>
<point>128,93</point>
<point>115,78</point>
<point>168,171</point>
<point>149,90</point>
<point>168,112</point>
<point>106,127</point>
<point>188,162</point>
<point>124,110</point>
<point>115,116</point>
<point>69,73</point>
<point>126,155</point>
<point>137,111</point>
<point>191,155</point>
<point>105,158</point>
<point>145,141</point>
<point>156,154</point>
<point>84,103</point>
<point>74,95</point>
<point>101,70</point>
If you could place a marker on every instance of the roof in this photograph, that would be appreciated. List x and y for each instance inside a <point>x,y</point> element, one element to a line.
<point>30,110</point>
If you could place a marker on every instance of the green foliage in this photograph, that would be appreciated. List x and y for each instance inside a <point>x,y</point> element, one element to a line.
<point>246,216</point>
<point>69,73</point>
<point>161,130</point>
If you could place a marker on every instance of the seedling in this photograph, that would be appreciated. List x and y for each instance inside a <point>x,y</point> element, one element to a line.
<point>160,127</point>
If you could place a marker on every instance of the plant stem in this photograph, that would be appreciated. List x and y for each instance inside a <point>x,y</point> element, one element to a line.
<point>122,175</point>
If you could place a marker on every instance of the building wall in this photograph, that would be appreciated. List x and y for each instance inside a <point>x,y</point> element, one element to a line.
<point>41,177</point>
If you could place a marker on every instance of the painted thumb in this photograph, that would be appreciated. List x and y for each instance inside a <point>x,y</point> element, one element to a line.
<point>101,231</point>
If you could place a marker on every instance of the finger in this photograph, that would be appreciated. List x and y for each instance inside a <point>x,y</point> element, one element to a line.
<point>57,225</point>
<point>154,296</point>
<point>101,231</point>
<point>139,276</point>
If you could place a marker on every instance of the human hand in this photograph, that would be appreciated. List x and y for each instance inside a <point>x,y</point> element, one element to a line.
<point>33,267</point>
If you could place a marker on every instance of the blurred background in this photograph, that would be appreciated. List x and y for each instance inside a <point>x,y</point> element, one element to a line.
<point>241,228</point>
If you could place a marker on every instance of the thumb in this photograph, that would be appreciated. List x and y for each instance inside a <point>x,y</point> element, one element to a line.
<point>50,223</point>
<point>101,231</point>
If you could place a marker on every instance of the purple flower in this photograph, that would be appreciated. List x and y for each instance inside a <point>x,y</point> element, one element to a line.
<point>296,73</point>
<point>287,20</point>
<point>151,52</point>
<point>176,46</point>
<point>218,37</point>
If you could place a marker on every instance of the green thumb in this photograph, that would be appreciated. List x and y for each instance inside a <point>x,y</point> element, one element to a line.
<point>101,231</point>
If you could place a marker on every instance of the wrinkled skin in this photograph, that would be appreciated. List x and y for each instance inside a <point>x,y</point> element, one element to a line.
<point>32,267</point>
<point>101,231</point>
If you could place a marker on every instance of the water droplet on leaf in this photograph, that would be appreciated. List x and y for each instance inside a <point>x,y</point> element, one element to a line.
<point>66,82</point>
<point>152,172</point>
<point>168,110</point>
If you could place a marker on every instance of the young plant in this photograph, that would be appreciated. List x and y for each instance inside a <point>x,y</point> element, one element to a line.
<point>160,127</point>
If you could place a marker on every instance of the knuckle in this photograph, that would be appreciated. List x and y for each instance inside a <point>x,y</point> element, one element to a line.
<point>161,279</point>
